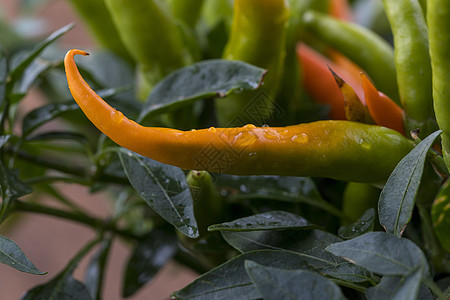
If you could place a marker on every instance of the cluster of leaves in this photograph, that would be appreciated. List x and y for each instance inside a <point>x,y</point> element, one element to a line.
<point>283,234</point>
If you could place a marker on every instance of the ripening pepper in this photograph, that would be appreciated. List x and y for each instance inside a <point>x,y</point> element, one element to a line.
<point>341,150</point>
<point>258,37</point>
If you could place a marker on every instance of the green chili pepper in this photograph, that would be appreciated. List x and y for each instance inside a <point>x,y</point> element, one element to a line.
<point>358,197</point>
<point>99,22</point>
<point>148,30</point>
<point>412,62</point>
<point>258,37</point>
<point>372,53</point>
<point>187,10</point>
<point>208,204</point>
<point>438,18</point>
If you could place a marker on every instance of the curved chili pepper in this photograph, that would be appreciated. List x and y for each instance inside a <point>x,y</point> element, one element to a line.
<point>258,37</point>
<point>383,110</point>
<point>322,149</point>
<point>438,18</point>
<point>412,61</point>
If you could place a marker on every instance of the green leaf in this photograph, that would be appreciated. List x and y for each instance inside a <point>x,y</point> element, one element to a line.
<point>147,259</point>
<point>4,139</point>
<point>310,244</point>
<point>346,271</point>
<point>13,256</point>
<point>275,283</point>
<point>398,195</point>
<point>265,221</point>
<point>64,288</point>
<point>363,225</point>
<point>59,135</point>
<point>440,214</point>
<point>3,75</point>
<point>398,287</point>
<point>94,274</point>
<point>164,188</point>
<point>11,188</point>
<point>205,79</point>
<point>281,188</point>
<point>24,61</point>
<point>230,280</point>
<point>382,253</point>
<point>31,73</point>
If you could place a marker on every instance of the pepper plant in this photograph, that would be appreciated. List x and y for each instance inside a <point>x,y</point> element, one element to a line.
<point>278,148</point>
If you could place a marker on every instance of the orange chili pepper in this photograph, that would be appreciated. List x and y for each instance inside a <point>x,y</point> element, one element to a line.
<point>341,9</point>
<point>322,149</point>
<point>320,83</point>
<point>384,110</point>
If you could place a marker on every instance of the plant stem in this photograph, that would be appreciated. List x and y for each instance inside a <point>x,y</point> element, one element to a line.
<point>434,288</point>
<point>77,217</point>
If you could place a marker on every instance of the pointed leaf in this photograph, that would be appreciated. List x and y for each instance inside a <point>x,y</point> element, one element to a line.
<point>12,255</point>
<point>363,225</point>
<point>96,269</point>
<point>4,139</point>
<point>205,79</point>
<point>164,188</point>
<point>66,288</point>
<point>31,73</point>
<point>230,280</point>
<point>310,244</point>
<point>382,253</point>
<point>147,259</point>
<point>265,221</point>
<point>281,188</point>
<point>398,195</point>
<point>274,283</point>
<point>440,214</point>
<point>26,60</point>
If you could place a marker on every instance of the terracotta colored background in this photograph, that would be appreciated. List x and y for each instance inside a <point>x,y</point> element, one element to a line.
<point>49,242</point>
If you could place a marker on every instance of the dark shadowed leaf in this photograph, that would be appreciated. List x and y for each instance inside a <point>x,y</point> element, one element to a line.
<point>31,73</point>
<point>310,244</point>
<point>281,188</point>
<point>95,270</point>
<point>147,259</point>
<point>382,253</point>
<point>59,135</point>
<point>398,195</point>
<point>4,139</point>
<point>12,255</point>
<point>64,288</point>
<point>230,280</point>
<point>363,225</point>
<point>265,221</point>
<point>275,283</point>
<point>348,272</point>
<point>206,79</point>
<point>440,213</point>
<point>398,287</point>
<point>164,188</point>
<point>25,60</point>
